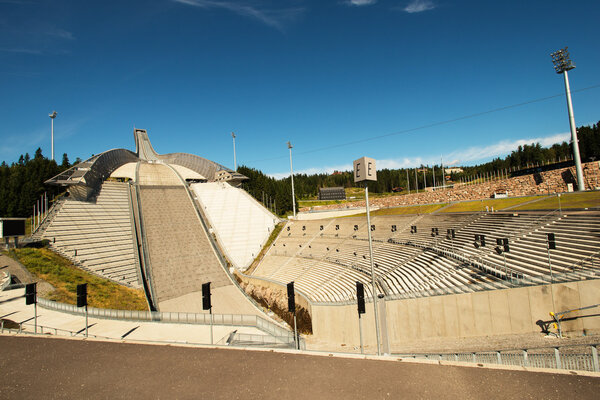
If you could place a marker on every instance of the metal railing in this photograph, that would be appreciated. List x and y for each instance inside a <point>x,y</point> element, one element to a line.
<point>246,339</point>
<point>173,317</point>
<point>571,357</point>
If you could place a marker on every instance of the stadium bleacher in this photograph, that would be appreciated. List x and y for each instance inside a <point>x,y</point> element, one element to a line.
<point>97,235</point>
<point>327,257</point>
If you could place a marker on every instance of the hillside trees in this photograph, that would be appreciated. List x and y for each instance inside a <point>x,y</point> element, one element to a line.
<point>22,183</point>
<point>307,186</point>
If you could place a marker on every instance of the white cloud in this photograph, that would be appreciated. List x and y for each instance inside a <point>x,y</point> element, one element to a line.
<point>311,171</point>
<point>417,6</point>
<point>359,3</point>
<point>504,147</point>
<point>274,18</point>
<point>457,157</point>
<point>60,33</point>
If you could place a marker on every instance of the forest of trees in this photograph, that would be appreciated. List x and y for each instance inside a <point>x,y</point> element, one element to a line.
<point>22,183</point>
<point>307,186</point>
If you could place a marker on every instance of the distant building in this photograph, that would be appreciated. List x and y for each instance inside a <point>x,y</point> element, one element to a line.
<point>332,193</point>
<point>453,170</point>
<point>336,173</point>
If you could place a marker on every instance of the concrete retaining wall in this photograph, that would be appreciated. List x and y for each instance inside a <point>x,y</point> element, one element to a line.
<point>496,312</point>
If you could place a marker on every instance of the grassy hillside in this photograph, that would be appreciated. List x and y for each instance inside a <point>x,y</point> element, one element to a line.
<point>567,200</point>
<point>64,276</point>
<point>497,204</point>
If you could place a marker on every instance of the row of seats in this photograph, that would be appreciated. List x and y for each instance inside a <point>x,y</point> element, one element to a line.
<point>98,234</point>
<point>414,254</point>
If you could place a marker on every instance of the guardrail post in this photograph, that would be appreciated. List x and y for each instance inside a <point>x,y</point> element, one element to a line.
<point>525,359</point>
<point>557,357</point>
<point>499,357</point>
<point>2,326</point>
<point>473,357</point>
<point>455,357</point>
<point>20,327</point>
<point>595,359</point>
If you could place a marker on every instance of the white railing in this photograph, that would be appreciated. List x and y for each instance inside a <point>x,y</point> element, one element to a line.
<point>574,357</point>
<point>173,317</point>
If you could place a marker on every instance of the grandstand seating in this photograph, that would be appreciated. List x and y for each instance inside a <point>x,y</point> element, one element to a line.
<point>240,223</point>
<point>326,257</point>
<point>98,234</point>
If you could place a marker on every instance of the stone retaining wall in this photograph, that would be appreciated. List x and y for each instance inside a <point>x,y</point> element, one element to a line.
<point>549,182</point>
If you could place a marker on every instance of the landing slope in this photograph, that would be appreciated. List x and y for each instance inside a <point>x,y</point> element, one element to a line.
<point>181,255</point>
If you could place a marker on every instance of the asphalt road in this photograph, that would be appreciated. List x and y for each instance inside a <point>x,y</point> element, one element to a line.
<point>37,367</point>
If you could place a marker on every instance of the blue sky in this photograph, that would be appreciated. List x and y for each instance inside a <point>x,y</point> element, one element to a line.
<point>325,75</point>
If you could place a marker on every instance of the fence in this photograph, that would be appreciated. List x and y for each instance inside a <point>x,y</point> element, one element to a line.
<point>245,339</point>
<point>575,357</point>
<point>174,317</point>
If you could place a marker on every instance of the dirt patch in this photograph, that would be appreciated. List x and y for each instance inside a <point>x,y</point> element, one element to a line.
<point>276,301</point>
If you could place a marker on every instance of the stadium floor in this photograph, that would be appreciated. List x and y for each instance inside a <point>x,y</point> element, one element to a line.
<point>33,367</point>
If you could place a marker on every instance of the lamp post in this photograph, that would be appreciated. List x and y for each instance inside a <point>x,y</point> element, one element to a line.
<point>52,116</point>
<point>562,64</point>
<point>292,177</point>
<point>234,160</point>
<point>365,170</point>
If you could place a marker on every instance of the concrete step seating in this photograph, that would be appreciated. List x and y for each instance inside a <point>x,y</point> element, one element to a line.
<point>403,268</point>
<point>97,235</point>
<point>241,224</point>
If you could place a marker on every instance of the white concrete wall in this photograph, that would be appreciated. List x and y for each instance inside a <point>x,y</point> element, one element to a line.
<point>241,224</point>
<point>495,312</point>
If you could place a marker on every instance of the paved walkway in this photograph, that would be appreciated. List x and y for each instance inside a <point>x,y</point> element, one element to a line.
<point>38,367</point>
<point>12,307</point>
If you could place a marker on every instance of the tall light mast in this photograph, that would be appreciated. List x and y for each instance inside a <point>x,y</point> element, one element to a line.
<point>52,116</point>
<point>562,64</point>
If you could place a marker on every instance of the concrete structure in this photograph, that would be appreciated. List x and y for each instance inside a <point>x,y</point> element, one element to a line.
<point>241,224</point>
<point>97,235</point>
<point>497,312</point>
<point>149,232</point>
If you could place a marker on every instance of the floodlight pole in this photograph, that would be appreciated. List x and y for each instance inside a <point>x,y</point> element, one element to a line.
<point>443,173</point>
<point>552,287</point>
<point>362,349</point>
<point>562,64</point>
<point>407,181</point>
<point>52,116</point>
<point>373,288</point>
<point>234,160</point>
<point>211,325</point>
<point>416,181</point>
<point>292,177</point>
<point>365,170</point>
